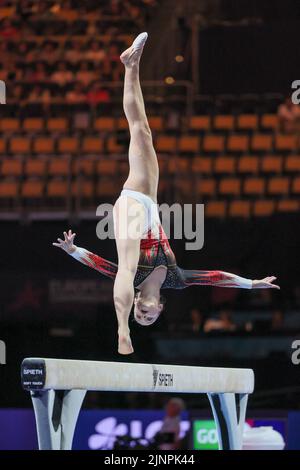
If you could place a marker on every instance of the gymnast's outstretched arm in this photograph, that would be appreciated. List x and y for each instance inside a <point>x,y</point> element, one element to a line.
<point>224,279</point>
<point>105,267</point>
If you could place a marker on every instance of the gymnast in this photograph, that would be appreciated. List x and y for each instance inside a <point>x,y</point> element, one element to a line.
<point>145,261</point>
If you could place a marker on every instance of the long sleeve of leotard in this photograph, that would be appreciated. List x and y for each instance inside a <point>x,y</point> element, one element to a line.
<point>214,278</point>
<point>96,262</point>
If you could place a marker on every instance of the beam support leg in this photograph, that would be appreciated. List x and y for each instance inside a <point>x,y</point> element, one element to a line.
<point>56,413</point>
<point>229,411</point>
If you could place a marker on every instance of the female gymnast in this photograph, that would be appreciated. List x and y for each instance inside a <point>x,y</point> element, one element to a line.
<point>145,262</point>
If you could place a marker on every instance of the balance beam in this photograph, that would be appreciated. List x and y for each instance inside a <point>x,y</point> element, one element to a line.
<point>58,387</point>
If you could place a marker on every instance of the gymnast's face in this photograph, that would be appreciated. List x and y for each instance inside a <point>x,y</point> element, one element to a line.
<point>146,311</point>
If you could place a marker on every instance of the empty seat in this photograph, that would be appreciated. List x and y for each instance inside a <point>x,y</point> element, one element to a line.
<point>224,165</point>
<point>9,124</point>
<point>271,164</point>
<point>82,188</point>
<point>199,123</point>
<point>247,122</point>
<point>248,164</point>
<point>213,143</point>
<point>32,189</point>
<point>57,188</point>
<point>254,186</point>
<point>230,186</point>
<point>106,188</point>
<point>269,121</point>
<point>239,209</point>
<point>92,145</point>
<point>85,166</point>
<point>33,124</point>
<point>263,208</point>
<point>107,167</point>
<point>104,124</point>
<point>155,123</point>
<point>20,145</point>
<point>57,124</point>
<point>166,144</point>
<point>288,205</point>
<point>285,142</point>
<point>296,185</point>
<point>238,143</point>
<point>59,167</point>
<point>206,187</point>
<point>215,209</point>
<point>9,189</point>
<point>121,124</point>
<point>179,165</point>
<point>68,145</point>
<point>3,145</point>
<point>112,146</point>
<point>278,186</point>
<point>188,144</point>
<point>202,165</point>
<point>261,142</point>
<point>11,167</point>
<point>292,163</point>
<point>43,145</point>
<point>35,167</point>
<point>224,122</point>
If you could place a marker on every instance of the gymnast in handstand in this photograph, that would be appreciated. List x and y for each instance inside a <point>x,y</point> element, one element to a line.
<point>145,261</point>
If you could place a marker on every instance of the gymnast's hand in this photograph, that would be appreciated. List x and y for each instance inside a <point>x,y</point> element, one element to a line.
<point>266,283</point>
<point>67,244</point>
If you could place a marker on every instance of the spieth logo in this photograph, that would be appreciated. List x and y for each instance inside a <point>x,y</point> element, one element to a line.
<point>108,429</point>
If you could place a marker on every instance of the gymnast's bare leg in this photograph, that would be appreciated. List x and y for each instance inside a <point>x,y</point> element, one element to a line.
<point>143,177</point>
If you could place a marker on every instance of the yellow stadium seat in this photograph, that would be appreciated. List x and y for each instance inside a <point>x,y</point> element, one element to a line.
<point>278,186</point>
<point>57,124</point>
<point>230,186</point>
<point>223,122</point>
<point>288,205</point>
<point>32,189</point>
<point>68,145</point>
<point>248,164</point>
<point>35,166</point>
<point>20,145</point>
<point>292,163</point>
<point>213,143</point>
<point>285,142</point>
<point>92,145</point>
<point>224,165</point>
<point>188,144</point>
<point>247,122</point>
<point>166,144</point>
<point>11,167</point>
<point>202,165</point>
<point>33,124</point>
<point>206,187</point>
<point>262,142</point>
<point>254,186</point>
<point>9,189</point>
<point>199,123</point>
<point>59,167</point>
<point>9,124</point>
<point>271,164</point>
<point>104,124</point>
<point>238,143</point>
<point>239,209</point>
<point>43,145</point>
<point>57,188</point>
<point>263,208</point>
<point>215,209</point>
<point>269,121</point>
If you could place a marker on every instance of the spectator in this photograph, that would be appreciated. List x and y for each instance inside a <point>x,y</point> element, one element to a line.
<point>84,74</point>
<point>289,116</point>
<point>50,52</point>
<point>222,323</point>
<point>168,438</point>
<point>23,53</point>
<point>197,320</point>
<point>96,52</point>
<point>97,95</point>
<point>76,95</point>
<point>74,54</point>
<point>62,75</point>
<point>38,74</point>
<point>8,30</point>
<point>39,95</point>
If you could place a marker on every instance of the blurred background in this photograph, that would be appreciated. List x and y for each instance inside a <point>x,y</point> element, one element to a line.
<point>217,78</point>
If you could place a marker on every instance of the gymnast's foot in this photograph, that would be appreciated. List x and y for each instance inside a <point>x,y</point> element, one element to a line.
<point>125,345</point>
<point>133,54</point>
